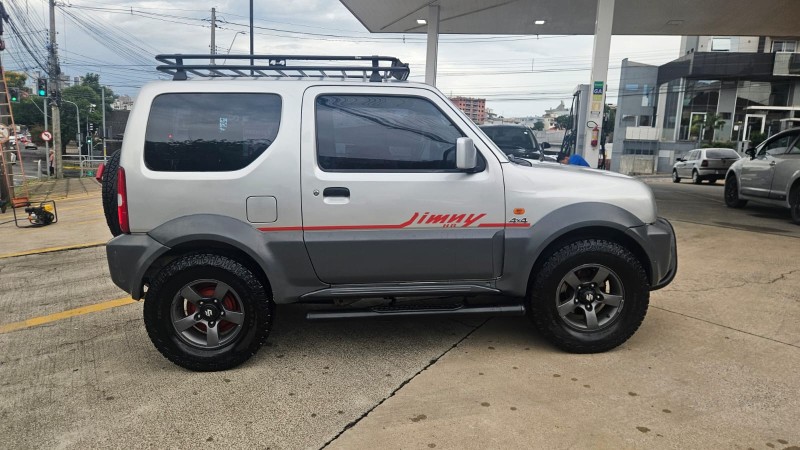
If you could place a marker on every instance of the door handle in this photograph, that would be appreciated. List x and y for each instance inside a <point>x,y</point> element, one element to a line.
<point>336,192</point>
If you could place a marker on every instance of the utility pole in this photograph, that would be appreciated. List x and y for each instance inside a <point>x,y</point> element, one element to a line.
<point>55,92</point>
<point>213,29</point>
<point>103,98</point>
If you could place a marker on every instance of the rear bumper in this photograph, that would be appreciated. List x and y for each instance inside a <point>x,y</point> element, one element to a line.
<point>661,247</point>
<point>129,257</point>
<point>716,173</point>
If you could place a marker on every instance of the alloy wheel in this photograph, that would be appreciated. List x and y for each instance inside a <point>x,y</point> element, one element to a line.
<point>590,297</point>
<point>207,314</point>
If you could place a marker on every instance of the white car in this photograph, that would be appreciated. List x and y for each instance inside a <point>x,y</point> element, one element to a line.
<point>700,164</point>
<point>333,179</point>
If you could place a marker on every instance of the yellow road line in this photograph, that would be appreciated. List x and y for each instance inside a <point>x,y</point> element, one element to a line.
<point>41,320</point>
<point>52,249</point>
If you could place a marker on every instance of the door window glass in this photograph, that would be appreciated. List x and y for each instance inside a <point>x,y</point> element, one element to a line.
<point>383,133</point>
<point>217,132</point>
<point>778,146</point>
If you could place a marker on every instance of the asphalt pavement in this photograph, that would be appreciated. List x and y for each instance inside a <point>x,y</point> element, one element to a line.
<point>714,365</point>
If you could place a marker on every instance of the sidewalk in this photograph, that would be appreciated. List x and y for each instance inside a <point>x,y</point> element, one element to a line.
<point>80,219</point>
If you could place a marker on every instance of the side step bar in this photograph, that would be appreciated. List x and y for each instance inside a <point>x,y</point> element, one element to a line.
<point>417,310</point>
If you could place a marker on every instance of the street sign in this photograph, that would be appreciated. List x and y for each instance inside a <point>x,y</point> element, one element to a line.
<point>46,136</point>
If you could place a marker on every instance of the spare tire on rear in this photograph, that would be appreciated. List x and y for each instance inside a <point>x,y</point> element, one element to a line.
<point>109,183</point>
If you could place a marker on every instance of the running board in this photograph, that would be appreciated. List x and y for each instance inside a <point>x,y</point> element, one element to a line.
<point>417,310</point>
<point>400,290</point>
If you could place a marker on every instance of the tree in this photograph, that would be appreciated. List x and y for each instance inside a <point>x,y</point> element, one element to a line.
<point>708,123</point>
<point>563,122</point>
<point>538,125</point>
<point>16,79</point>
<point>85,95</point>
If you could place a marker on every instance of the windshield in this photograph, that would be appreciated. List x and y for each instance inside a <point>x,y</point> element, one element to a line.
<point>720,153</point>
<point>515,141</point>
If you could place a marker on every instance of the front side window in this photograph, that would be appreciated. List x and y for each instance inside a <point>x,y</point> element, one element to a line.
<point>778,146</point>
<point>216,132</point>
<point>383,133</point>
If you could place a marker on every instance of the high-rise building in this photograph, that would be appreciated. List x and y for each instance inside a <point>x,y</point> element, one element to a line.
<point>474,108</point>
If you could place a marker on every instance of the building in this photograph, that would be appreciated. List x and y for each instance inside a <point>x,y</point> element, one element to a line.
<point>725,89</point>
<point>550,115</point>
<point>122,103</point>
<point>474,108</point>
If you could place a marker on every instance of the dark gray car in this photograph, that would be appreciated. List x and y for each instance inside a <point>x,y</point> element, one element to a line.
<point>771,174</point>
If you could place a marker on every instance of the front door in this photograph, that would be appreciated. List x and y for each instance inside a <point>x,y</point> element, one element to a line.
<point>382,199</point>
<point>757,173</point>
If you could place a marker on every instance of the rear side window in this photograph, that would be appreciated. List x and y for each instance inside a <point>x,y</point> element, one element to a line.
<point>383,133</point>
<point>209,132</point>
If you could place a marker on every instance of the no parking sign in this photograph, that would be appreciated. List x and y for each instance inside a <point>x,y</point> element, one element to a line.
<point>46,136</point>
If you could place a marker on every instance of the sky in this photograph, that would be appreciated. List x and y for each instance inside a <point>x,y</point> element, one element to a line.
<point>518,75</point>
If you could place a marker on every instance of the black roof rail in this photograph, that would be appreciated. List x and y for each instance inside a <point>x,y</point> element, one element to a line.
<point>367,68</point>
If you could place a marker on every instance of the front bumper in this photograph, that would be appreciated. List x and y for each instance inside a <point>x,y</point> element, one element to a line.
<point>129,257</point>
<point>659,243</point>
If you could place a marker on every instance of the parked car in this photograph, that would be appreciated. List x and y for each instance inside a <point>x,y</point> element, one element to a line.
<point>230,196</point>
<point>709,164</point>
<point>519,141</point>
<point>25,142</point>
<point>770,174</point>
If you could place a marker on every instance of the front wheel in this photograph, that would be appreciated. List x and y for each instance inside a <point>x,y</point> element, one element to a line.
<point>732,193</point>
<point>207,312</point>
<point>590,296</point>
<point>675,177</point>
<point>794,204</point>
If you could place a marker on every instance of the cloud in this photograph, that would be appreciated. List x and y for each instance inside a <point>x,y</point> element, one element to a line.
<point>518,75</point>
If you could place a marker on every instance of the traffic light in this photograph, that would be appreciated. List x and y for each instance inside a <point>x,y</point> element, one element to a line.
<point>41,87</point>
<point>13,94</point>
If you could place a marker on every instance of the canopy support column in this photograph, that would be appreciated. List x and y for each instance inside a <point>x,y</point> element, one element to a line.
<point>598,81</point>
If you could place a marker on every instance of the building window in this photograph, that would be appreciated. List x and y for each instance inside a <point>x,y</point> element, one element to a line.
<point>721,44</point>
<point>784,46</point>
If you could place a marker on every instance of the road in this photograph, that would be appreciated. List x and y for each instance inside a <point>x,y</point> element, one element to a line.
<point>714,364</point>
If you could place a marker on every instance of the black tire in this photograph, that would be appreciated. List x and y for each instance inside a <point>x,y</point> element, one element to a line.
<point>254,300</point>
<point>109,185</point>
<point>675,177</point>
<point>696,177</point>
<point>731,194</point>
<point>543,298</point>
<point>794,204</point>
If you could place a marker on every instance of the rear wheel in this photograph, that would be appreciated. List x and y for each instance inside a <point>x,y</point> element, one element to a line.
<point>794,204</point>
<point>732,193</point>
<point>109,184</point>
<point>590,296</point>
<point>696,177</point>
<point>207,312</point>
<point>675,177</point>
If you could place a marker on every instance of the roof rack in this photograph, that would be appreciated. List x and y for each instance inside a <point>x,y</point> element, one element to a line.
<point>367,68</point>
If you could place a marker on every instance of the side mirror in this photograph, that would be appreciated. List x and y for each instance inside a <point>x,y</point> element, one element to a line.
<point>466,155</point>
<point>751,152</point>
<point>680,159</point>
<point>545,145</point>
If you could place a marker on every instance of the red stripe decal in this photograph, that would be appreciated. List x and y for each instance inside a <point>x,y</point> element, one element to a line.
<point>386,227</point>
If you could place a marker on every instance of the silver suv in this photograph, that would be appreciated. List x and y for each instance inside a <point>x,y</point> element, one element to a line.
<point>335,181</point>
<point>770,175</point>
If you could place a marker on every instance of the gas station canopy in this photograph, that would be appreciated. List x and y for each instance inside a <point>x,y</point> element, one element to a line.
<point>601,18</point>
<point>631,17</point>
